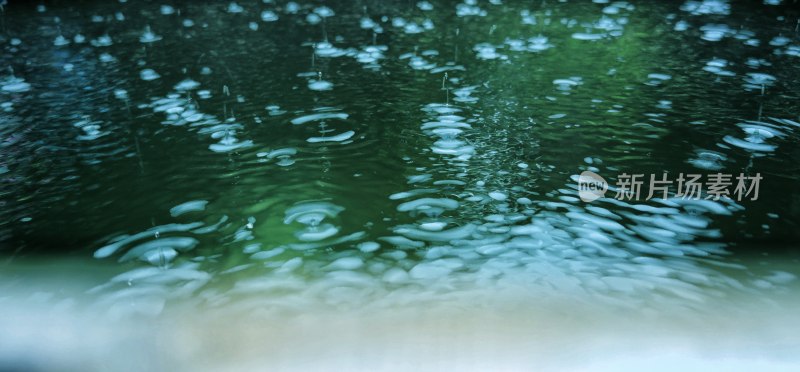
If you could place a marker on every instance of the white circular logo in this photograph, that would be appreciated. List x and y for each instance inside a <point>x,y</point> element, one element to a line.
<point>591,186</point>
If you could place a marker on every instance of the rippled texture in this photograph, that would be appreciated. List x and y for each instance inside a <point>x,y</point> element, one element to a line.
<point>272,156</point>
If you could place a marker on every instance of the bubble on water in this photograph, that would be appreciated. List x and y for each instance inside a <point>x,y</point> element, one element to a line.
<point>538,43</point>
<point>160,256</point>
<point>320,85</point>
<point>15,85</point>
<point>102,41</point>
<point>757,62</point>
<point>311,213</point>
<point>313,18</point>
<point>398,22</point>
<point>106,58</point>
<point>324,11</point>
<point>424,6</point>
<point>269,16</point>
<point>121,94</point>
<point>292,7</point>
<point>791,50</point>
<point>346,263</point>
<point>145,250</point>
<point>453,147</point>
<point>290,265</point>
<point>367,23</point>
<point>706,7</point>
<point>368,247</point>
<point>124,240</point>
<point>228,142</point>
<point>417,62</point>
<point>497,195</point>
<point>715,32</point>
<point>318,117</point>
<point>428,205</point>
<point>524,201</point>
<point>469,8</point>
<point>91,130</point>
<point>282,153</point>
<point>656,79</point>
<point>370,55</point>
<point>395,275</point>
<point>187,84</point>
<point>488,51</point>
<point>402,242</point>
<point>412,28</point>
<point>444,125</point>
<point>460,232</point>
<point>435,269</point>
<point>781,277</point>
<point>757,134</point>
<point>265,255</point>
<point>779,41</point>
<point>60,40</point>
<point>233,7</point>
<point>707,159</point>
<point>148,36</point>
<point>492,249</point>
<point>758,80</point>
<point>411,193</point>
<point>433,226</point>
<point>187,207</point>
<point>274,110</point>
<point>335,138</point>
<point>588,36</point>
<point>717,66</point>
<point>314,233</point>
<point>148,74</point>
<point>464,94</point>
<point>567,84</point>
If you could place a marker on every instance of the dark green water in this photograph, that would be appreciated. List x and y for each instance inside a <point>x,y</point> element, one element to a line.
<point>196,155</point>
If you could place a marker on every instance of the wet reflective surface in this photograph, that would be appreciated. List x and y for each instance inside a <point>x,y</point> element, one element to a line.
<point>271,157</point>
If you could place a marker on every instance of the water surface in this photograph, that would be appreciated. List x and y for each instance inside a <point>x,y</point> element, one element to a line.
<point>272,157</point>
